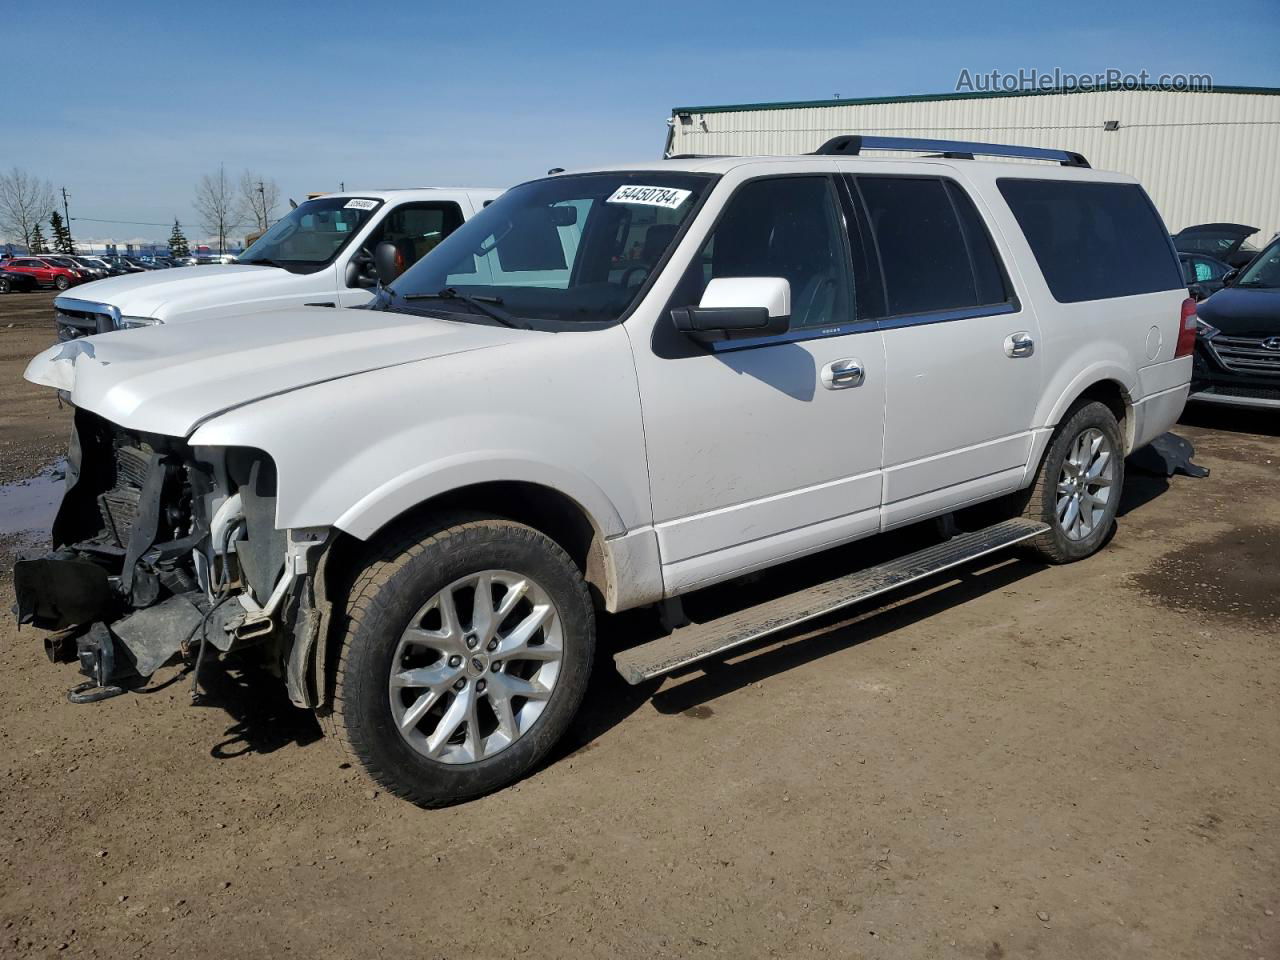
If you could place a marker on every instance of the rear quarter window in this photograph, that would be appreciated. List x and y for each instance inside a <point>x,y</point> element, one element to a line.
<point>1093,241</point>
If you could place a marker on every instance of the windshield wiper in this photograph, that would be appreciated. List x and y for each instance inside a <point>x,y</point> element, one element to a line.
<point>486,305</point>
<point>262,262</point>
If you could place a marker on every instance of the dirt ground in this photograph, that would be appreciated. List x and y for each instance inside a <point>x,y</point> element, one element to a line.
<point>1070,762</point>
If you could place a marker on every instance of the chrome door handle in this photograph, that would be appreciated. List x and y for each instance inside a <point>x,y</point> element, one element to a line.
<point>840,374</point>
<point>1019,344</point>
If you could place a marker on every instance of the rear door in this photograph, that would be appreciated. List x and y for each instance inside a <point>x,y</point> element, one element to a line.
<point>963,372</point>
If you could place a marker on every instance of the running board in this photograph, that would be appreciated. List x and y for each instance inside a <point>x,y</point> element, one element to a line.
<point>699,641</point>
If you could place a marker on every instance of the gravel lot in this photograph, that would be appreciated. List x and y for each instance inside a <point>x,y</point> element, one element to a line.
<point>1074,762</point>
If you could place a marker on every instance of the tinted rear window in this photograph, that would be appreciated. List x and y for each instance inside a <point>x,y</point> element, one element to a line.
<point>1093,241</point>
<point>934,249</point>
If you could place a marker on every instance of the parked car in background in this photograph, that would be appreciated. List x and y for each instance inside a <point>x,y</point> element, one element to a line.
<point>1238,345</point>
<point>90,270</point>
<point>1204,274</point>
<point>320,253</point>
<point>63,260</point>
<point>107,269</point>
<point>1222,241</point>
<point>606,390</point>
<point>14,282</point>
<point>46,272</point>
<point>122,264</point>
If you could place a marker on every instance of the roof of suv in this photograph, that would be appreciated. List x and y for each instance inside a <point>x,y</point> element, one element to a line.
<point>722,165</point>
<point>402,193</point>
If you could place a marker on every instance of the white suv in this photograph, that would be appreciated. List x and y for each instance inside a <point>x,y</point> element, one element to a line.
<point>609,389</point>
<point>321,253</point>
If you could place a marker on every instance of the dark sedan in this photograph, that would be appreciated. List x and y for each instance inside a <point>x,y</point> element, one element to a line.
<point>11,282</point>
<point>1237,357</point>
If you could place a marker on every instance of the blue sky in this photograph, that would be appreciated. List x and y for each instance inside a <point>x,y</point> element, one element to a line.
<point>131,103</point>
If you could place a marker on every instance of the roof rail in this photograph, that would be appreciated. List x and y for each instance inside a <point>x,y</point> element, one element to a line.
<point>850,145</point>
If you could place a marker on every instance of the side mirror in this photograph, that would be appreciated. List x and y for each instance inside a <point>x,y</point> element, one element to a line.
<point>564,216</point>
<point>735,308</point>
<point>1229,277</point>
<point>388,262</point>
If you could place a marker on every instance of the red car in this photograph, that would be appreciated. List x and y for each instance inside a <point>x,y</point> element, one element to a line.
<point>46,272</point>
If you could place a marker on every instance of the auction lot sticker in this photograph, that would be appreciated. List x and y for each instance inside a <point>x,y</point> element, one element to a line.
<point>668,197</point>
<point>360,204</point>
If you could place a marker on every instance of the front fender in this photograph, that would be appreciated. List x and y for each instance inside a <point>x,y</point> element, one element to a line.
<point>559,411</point>
<point>382,505</point>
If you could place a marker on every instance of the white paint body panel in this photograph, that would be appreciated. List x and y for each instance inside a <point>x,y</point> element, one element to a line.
<point>560,410</point>
<point>186,294</point>
<point>170,378</point>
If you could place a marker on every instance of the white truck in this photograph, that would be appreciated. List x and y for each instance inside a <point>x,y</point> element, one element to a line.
<point>610,389</point>
<point>321,253</point>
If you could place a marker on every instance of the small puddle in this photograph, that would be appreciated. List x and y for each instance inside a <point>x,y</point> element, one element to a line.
<point>27,506</point>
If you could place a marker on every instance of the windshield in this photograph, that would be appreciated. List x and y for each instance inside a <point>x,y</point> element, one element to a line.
<point>312,235</point>
<point>1264,272</point>
<point>566,250</point>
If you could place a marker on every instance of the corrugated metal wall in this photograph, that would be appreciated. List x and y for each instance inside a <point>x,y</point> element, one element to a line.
<point>1203,157</point>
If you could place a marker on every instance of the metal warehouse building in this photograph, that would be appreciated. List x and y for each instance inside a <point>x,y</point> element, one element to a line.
<point>1203,156</point>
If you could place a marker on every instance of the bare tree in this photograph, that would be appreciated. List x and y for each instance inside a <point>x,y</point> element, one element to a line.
<point>259,196</point>
<point>24,201</point>
<point>219,206</point>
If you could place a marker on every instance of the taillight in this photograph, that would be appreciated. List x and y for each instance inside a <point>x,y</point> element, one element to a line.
<point>1187,331</point>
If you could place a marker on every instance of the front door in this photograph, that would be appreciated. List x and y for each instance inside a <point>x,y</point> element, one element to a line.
<point>964,371</point>
<point>757,452</point>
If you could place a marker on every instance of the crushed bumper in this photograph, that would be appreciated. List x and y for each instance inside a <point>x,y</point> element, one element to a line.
<point>115,647</point>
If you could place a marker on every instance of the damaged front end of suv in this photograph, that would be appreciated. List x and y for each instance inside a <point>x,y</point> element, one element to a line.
<point>161,548</point>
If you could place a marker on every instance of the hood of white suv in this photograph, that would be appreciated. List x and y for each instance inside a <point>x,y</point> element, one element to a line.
<point>166,291</point>
<point>169,379</point>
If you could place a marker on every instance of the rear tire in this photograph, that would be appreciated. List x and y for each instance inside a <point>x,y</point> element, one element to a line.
<point>1077,489</point>
<point>4,285</point>
<point>439,702</point>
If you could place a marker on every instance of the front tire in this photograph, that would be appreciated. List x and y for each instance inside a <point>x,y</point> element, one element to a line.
<point>1077,489</point>
<point>4,285</point>
<point>465,656</point>
<point>62,283</point>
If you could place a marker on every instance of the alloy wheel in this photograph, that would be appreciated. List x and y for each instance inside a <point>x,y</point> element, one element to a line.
<point>476,666</point>
<point>1085,484</point>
